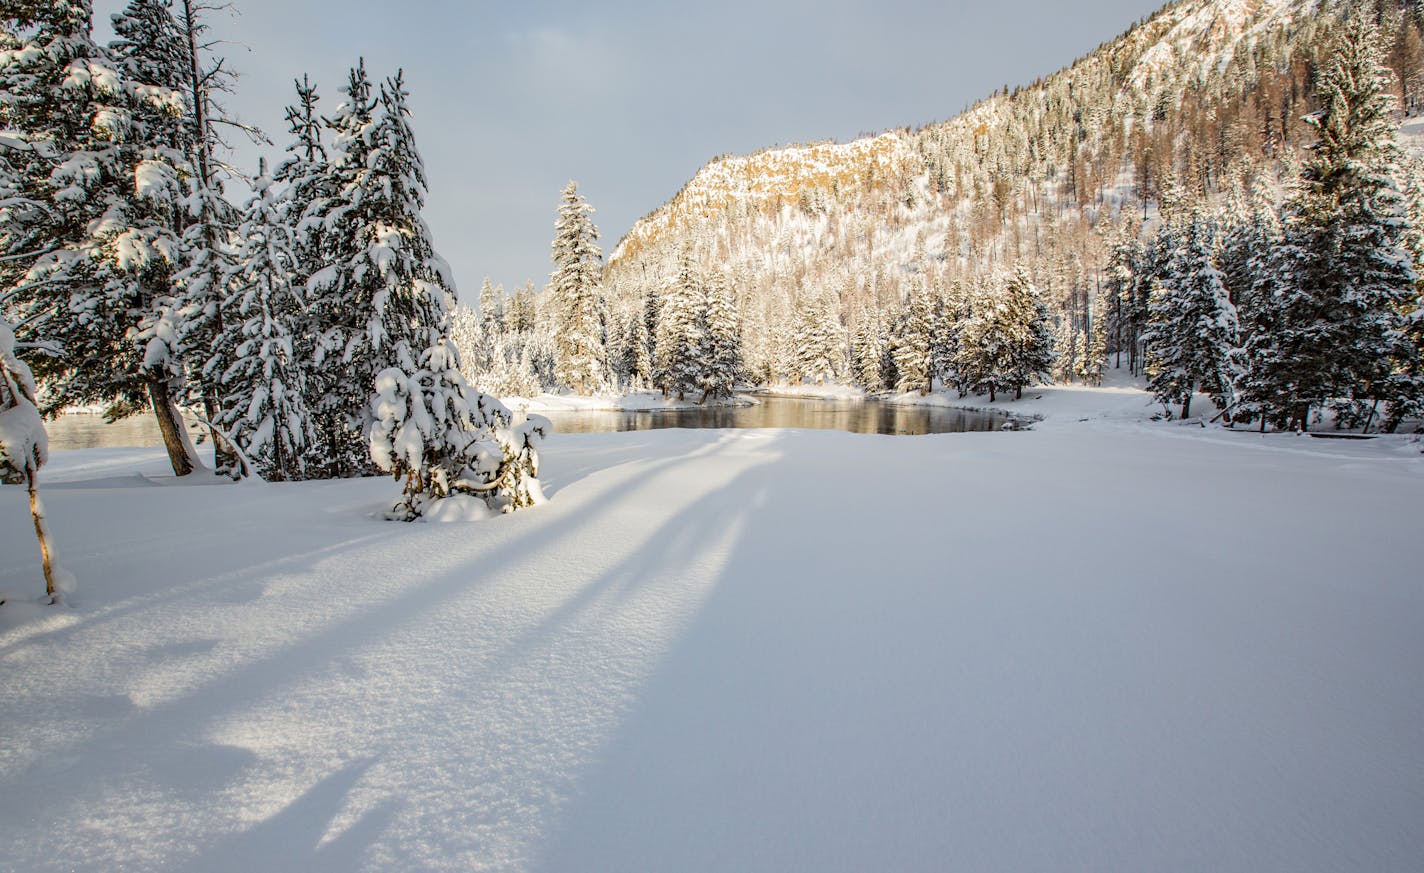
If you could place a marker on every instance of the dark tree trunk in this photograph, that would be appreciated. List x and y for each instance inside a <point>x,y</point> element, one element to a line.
<point>171,426</point>
<point>42,534</point>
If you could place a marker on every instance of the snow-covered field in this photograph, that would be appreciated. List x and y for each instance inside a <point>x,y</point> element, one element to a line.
<point>1097,646</point>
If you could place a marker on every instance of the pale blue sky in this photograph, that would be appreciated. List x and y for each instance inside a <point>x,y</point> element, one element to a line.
<point>512,99</point>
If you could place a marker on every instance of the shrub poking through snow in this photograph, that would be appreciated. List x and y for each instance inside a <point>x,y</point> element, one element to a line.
<point>449,442</point>
<point>24,445</point>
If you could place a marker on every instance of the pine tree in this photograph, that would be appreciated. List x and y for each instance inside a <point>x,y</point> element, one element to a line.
<point>207,253</point>
<point>99,257</point>
<point>1193,329</point>
<point>577,296</point>
<point>1006,344</point>
<point>469,340</point>
<point>1341,277</point>
<point>166,49</point>
<point>382,298</point>
<point>819,353</point>
<point>1405,389</point>
<point>255,370</point>
<point>336,236</point>
<point>914,341</point>
<point>638,342</point>
<point>309,183</point>
<point>868,350</point>
<point>444,439</point>
<point>676,361</point>
<point>722,339</point>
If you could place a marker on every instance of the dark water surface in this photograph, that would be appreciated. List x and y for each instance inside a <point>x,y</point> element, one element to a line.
<point>853,415</point>
<point>77,431</point>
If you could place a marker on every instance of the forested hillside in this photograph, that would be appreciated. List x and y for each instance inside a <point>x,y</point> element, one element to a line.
<point>828,247</point>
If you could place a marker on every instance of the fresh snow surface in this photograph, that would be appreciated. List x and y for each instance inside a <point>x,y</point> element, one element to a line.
<point>1119,399</point>
<point>828,391</point>
<point>1106,646</point>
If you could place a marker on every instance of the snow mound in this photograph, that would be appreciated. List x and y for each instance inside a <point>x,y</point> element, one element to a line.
<point>457,508</point>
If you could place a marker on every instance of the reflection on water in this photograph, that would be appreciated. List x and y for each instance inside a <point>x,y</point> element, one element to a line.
<point>77,431</point>
<point>856,416</point>
<point>85,431</point>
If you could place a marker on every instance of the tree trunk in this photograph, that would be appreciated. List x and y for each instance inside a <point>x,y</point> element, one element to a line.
<point>171,426</point>
<point>224,458</point>
<point>1018,393</point>
<point>42,534</point>
<point>1187,406</point>
<point>1374,407</point>
<point>991,393</point>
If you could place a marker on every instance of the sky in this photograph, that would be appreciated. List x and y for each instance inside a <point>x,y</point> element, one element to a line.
<point>511,100</point>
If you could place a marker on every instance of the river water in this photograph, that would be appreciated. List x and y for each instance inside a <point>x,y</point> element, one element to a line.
<point>79,431</point>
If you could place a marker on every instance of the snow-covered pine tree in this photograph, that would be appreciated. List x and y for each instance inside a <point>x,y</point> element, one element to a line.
<point>637,345</point>
<point>427,426</point>
<point>1030,343</point>
<point>255,369</point>
<point>1249,254</point>
<point>208,252</point>
<point>913,345</point>
<point>382,298</point>
<point>345,295</point>
<point>1341,277</point>
<point>1094,354</point>
<point>1405,390</point>
<point>492,320</point>
<point>167,51</point>
<point>24,445</point>
<point>820,347</point>
<point>721,339</point>
<point>951,312</point>
<point>868,350</point>
<point>1007,342</point>
<point>98,259</point>
<point>676,363</point>
<point>447,440</point>
<point>576,294</point>
<point>1193,330</point>
<point>308,183</point>
<point>1127,282</point>
<point>468,338</point>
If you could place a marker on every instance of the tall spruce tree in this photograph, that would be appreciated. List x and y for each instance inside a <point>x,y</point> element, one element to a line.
<point>577,295</point>
<point>1405,390</point>
<point>677,364</point>
<point>868,350</point>
<point>1193,329</point>
<point>1341,277</point>
<point>1007,342</point>
<point>256,369</point>
<point>914,343</point>
<point>820,348</point>
<point>380,298</point>
<point>721,339</point>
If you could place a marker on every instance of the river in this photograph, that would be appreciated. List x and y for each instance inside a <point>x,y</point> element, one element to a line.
<point>81,431</point>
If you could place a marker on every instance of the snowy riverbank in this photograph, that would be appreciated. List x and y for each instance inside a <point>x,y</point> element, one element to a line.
<point>1134,647</point>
